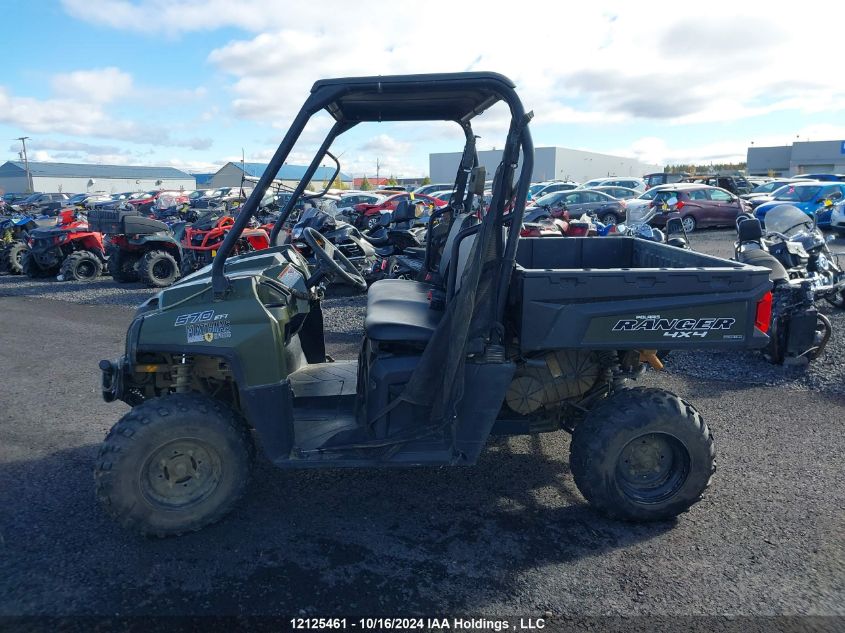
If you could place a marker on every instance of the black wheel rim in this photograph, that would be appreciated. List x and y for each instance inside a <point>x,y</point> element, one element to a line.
<point>609,220</point>
<point>651,468</point>
<point>162,269</point>
<point>85,270</point>
<point>181,473</point>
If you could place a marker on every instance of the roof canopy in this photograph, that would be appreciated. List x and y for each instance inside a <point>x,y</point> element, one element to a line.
<point>434,97</point>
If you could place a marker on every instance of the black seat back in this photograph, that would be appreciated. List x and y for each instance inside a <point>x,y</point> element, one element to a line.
<point>750,230</point>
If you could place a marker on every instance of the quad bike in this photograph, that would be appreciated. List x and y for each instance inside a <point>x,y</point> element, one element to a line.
<point>70,250</point>
<point>14,232</point>
<point>139,248</point>
<point>202,239</point>
<point>510,336</point>
<point>802,270</point>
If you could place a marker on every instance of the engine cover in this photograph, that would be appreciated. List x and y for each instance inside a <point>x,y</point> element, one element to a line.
<point>548,379</point>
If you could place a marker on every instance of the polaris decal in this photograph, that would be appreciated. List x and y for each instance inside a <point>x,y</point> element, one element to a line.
<point>209,331</point>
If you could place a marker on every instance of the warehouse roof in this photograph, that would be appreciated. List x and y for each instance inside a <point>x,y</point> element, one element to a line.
<point>290,172</point>
<point>81,170</point>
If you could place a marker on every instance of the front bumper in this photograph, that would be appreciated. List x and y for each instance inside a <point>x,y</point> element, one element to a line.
<point>113,379</point>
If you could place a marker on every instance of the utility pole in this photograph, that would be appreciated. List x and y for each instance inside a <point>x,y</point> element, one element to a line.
<point>23,140</point>
<point>378,167</point>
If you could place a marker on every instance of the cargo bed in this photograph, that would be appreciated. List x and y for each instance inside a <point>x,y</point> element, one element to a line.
<point>629,293</point>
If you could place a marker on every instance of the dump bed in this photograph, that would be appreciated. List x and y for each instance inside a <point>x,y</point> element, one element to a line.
<point>630,293</point>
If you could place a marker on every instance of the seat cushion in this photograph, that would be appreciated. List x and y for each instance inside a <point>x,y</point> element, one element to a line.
<point>398,310</point>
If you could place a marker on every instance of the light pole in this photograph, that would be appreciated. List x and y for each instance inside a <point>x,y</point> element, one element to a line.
<point>23,140</point>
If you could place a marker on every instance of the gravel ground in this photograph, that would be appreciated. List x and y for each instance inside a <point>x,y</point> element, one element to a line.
<point>511,536</point>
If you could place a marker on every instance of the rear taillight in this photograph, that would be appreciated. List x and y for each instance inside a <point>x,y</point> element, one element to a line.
<point>679,205</point>
<point>764,313</point>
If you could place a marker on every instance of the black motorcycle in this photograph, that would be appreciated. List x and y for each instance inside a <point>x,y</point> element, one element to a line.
<point>399,243</point>
<point>802,270</point>
<point>345,237</point>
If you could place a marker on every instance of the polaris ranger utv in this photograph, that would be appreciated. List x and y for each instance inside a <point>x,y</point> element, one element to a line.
<point>509,336</point>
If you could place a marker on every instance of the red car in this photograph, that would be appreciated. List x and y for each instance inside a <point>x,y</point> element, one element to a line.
<point>368,214</point>
<point>145,202</point>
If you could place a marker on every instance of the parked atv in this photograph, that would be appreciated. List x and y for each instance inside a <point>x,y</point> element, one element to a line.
<point>525,336</point>
<point>139,248</point>
<point>14,233</point>
<point>70,250</point>
<point>203,238</point>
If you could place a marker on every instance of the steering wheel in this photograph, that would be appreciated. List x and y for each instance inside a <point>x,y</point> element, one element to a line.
<point>331,261</point>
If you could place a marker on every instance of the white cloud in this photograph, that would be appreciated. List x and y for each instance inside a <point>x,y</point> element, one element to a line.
<point>100,85</point>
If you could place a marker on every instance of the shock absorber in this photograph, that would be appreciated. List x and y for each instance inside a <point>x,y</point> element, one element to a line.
<point>182,374</point>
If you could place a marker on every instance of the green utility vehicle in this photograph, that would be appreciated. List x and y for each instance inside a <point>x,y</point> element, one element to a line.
<point>507,336</point>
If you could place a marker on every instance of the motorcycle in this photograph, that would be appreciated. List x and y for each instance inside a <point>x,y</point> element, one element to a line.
<point>399,243</point>
<point>802,270</point>
<point>637,225</point>
<point>345,237</point>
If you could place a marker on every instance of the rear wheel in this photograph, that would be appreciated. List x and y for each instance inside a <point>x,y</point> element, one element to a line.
<point>642,455</point>
<point>608,219</point>
<point>689,223</point>
<point>123,266</point>
<point>13,257</point>
<point>81,266</point>
<point>158,269</point>
<point>174,464</point>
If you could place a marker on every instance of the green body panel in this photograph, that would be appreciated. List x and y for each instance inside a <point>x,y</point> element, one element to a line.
<point>249,323</point>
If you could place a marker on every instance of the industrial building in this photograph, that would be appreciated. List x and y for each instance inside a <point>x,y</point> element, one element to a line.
<point>550,163</point>
<point>231,174</point>
<point>80,178</point>
<point>807,157</point>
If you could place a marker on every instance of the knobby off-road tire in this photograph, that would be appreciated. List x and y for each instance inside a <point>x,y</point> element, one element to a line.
<point>12,257</point>
<point>173,465</point>
<point>122,266</point>
<point>81,266</point>
<point>643,454</point>
<point>31,268</point>
<point>158,269</point>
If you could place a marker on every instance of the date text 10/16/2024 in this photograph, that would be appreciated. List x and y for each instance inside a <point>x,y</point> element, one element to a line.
<point>420,624</point>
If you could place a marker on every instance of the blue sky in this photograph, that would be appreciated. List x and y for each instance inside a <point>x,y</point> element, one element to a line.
<point>191,83</point>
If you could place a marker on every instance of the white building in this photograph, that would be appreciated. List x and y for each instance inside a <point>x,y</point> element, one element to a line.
<point>550,163</point>
<point>80,178</point>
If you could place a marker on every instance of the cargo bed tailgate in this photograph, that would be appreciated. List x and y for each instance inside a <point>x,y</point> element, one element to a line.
<point>628,293</point>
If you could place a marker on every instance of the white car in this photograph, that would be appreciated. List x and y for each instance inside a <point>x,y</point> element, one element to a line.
<point>637,184</point>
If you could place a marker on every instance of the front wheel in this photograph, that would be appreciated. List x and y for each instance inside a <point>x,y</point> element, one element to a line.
<point>609,219</point>
<point>80,266</point>
<point>689,223</point>
<point>642,455</point>
<point>31,269</point>
<point>13,257</point>
<point>173,465</point>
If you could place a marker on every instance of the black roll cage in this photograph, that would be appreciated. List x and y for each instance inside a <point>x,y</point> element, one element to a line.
<point>455,97</point>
